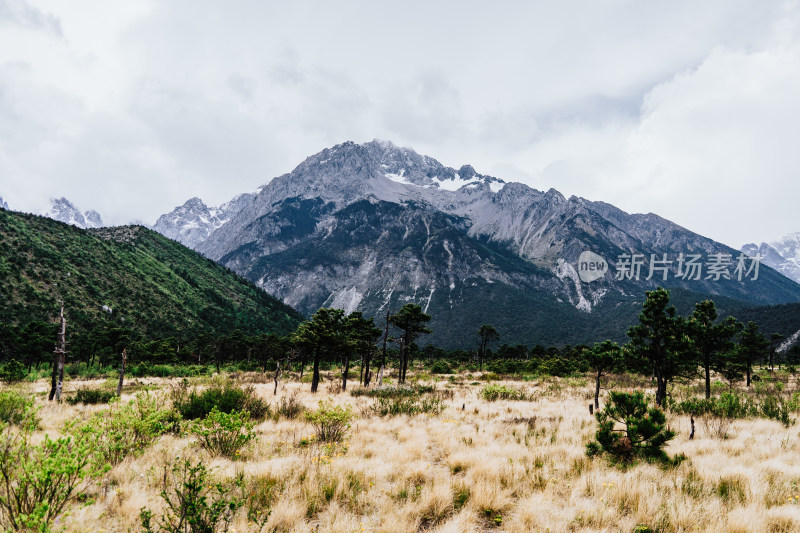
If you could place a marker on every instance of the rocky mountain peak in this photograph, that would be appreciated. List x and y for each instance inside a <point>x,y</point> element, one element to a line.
<point>3,204</point>
<point>192,222</point>
<point>782,255</point>
<point>65,211</point>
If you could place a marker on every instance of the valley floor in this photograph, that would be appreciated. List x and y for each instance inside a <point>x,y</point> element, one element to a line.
<point>516,466</point>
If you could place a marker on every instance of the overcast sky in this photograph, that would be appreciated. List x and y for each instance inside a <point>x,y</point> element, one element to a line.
<point>690,110</point>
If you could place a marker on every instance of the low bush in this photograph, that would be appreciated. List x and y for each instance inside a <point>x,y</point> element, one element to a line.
<point>330,421</point>
<point>125,429</point>
<point>290,407</point>
<point>441,367</point>
<point>733,406</point>
<point>224,433</point>
<point>193,503</point>
<point>493,393</point>
<point>13,371</point>
<point>39,479</point>
<point>394,406</point>
<point>226,397</point>
<point>629,429</point>
<point>17,409</point>
<point>166,371</point>
<point>391,391</point>
<point>90,396</point>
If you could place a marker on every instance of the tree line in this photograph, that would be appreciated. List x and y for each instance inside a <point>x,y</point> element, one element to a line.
<point>662,344</point>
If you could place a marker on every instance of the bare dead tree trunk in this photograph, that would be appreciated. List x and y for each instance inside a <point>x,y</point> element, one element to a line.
<point>345,371</point>
<point>597,391</point>
<point>60,353</point>
<point>367,361</point>
<point>277,379</point>
<point>380,376</point>
<point>385,338</point>
<point>122,371</point>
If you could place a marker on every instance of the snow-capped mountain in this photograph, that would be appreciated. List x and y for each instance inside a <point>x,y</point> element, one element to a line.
<point>191,223</point>
<point>782,255</point>
<point>3,204</point>
<point>63,210</point>
<point>372,226</point>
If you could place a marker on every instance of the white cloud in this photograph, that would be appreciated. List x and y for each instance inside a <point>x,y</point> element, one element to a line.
<point>686,110</point>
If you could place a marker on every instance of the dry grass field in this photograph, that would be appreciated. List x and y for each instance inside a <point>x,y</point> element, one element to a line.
<point>516,466</point>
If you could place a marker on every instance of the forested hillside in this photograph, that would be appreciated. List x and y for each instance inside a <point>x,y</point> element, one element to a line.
<point>127,277</point>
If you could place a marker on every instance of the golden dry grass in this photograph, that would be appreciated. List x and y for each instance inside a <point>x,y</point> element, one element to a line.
<point>516,466</point>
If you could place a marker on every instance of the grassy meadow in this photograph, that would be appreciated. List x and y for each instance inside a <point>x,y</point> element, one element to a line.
<point>458,463</point>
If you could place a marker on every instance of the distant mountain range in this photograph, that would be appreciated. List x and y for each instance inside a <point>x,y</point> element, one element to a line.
<point>783,255</point>
<point>373,226</point>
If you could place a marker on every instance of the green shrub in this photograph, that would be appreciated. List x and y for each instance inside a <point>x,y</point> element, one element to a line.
<point>17,409</point>
<point>224,433</point>
<point>733,406</point>
<point>290,407</point>
<point>90,396</point>
<point>393,406</point>
<point>193,503</point>
<point>39,479</point>
<point>330,421</point>
<point>643,433</point>
<point>775,408</point>
<point>125,429</point>
<point>225,397</point>
<point>13,371</point>
<point>492,393</point>
<point>391,391</point>
<point>441,367</point>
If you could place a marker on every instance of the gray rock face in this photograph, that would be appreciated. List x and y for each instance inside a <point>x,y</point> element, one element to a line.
<point>372,226</point>
<point>3,204</point>
<point>65,211</point>
<point>191,223</point>
<point>783,255</point>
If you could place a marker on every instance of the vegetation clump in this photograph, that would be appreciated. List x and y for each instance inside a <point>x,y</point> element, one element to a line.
<point>226,397</point>
<point>392,391</point>
<point>126,428</point>
<point>224,433</point>
<point>90,396</point>
<point>193,502</point>
<point>404,405</point>
<point>330,421</point>
<point>39,478</point>
<point>629,429</point>
<point>17,409</point>
<point>496,392</point>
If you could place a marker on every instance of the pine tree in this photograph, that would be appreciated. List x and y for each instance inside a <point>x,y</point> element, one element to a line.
<point>411,321</point>
<point>659,344</point>
<point>753,347</point>
<point>602,357</point>
<point>712,342</point>
<point>486,334</point>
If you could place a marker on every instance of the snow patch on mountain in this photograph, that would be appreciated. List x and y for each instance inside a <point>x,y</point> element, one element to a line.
<point>782,255</point>
<point>456,183</point>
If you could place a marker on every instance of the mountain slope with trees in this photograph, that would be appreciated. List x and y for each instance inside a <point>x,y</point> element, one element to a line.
<point>126,277</point>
